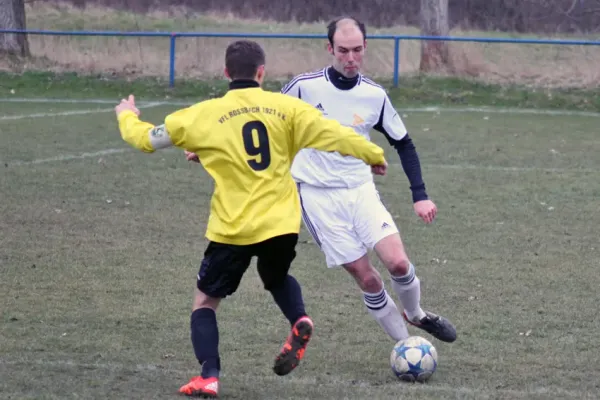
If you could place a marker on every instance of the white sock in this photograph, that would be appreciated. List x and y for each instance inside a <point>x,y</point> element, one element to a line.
<point>408,289</point>
<point>382,307</point>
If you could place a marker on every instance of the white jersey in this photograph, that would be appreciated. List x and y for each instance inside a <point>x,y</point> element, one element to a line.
<point>364,107</point>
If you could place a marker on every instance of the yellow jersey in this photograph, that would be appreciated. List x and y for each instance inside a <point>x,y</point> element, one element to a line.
<point>246,141</point>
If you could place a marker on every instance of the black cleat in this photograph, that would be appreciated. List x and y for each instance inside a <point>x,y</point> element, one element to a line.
<point>436,326</point>
<point>293,350</point>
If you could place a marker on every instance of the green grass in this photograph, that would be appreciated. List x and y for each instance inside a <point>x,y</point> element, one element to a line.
<point>99,255</point>
<point>412,91</point>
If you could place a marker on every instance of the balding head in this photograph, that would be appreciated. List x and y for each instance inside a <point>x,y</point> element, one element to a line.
<point>347,45</point>
<point>345,24</point>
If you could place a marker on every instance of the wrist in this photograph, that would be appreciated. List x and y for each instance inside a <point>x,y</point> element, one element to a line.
<point>419,194</point>
<point>124,114</point>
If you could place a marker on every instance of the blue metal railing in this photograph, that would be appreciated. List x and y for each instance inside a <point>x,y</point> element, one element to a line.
<point>396,38</point>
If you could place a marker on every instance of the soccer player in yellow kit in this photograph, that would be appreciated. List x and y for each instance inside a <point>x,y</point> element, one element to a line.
<point>247,140</point>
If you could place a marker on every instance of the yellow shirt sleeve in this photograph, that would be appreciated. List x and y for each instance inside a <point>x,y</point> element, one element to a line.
<point>177,125</point>
<point>135,132</point>
<point>149,138</point>
<point>311,129</point>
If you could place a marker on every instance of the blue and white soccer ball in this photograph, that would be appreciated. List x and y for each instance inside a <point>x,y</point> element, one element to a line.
<point>414,359</point>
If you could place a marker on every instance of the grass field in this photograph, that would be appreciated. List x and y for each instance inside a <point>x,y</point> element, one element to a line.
<point>411,92</point>
<point>537,65</point>
<point>100,246</point>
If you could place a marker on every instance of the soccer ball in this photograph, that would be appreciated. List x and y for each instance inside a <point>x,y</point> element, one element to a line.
<point>414,359</point>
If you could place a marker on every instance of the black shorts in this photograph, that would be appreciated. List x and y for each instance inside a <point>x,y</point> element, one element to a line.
<point>224,264</point>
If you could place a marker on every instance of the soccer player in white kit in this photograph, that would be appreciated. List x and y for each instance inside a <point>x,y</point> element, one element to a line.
<point>341,207</point>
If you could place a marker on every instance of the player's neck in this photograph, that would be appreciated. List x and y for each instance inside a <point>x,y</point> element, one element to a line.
<point>243,84</point>
<point>340,81</point>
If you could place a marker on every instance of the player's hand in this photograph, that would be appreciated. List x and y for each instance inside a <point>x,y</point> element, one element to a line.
<point>127,105</point>
<point>191,156</point>
<point>379,169</point>
<point>426,210</point>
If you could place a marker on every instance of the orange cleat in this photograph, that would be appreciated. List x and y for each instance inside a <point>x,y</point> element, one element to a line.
<point>293,350</point>
<point>201,387</point>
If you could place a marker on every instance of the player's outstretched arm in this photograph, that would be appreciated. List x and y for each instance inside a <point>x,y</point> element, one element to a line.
<point>139,134</point>
<point>311,129</point>
<point>392,126</point>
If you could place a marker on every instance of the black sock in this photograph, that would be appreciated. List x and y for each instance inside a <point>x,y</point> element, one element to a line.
<point>288,297</point>
<point>205,338</point>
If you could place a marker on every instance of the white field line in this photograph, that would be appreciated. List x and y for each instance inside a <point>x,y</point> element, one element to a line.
<point>67,113</point>
<point>107,152</point>
<point>68,157</point>
<point>55,114</point>
<point>491,110</point>
<point>303,381</point>
<point>155,104</point>
<point>48,100</point>
<point>500,110</point>
<point>500,168</point>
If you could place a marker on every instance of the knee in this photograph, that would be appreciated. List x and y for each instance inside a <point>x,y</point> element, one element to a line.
<point>365,275</point>
<point>202,300</point>
<point>399,266</point>
<point>371,282</point>
<point>368,279</point>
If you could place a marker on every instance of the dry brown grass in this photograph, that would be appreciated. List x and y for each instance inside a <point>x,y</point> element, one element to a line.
<point>539,65</point>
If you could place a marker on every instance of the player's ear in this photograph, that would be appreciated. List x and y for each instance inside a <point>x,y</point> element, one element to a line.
<point>260,73</point>
<point>329,48</point>
<point>226,72</point>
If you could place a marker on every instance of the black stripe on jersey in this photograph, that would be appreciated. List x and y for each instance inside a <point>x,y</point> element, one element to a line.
<point>299,78</point>
<point>372,83</point>
<point>379,125</point>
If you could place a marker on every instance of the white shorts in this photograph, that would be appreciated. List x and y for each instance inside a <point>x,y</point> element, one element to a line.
<point>345,223</point>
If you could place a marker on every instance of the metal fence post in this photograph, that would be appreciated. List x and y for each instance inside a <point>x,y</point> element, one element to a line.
<point>172,60</point>
<point>396,38</point>
<point>396,60</point>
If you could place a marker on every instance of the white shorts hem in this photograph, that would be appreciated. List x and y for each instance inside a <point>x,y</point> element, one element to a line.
<point>340,264</point>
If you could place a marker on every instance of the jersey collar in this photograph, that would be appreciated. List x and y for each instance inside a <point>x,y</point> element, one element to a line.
<point>243,84</point>
<point>340,81</point>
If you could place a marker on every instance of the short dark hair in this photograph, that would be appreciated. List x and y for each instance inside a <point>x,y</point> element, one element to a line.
<point>242,59</point>
<point>332,27</point>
